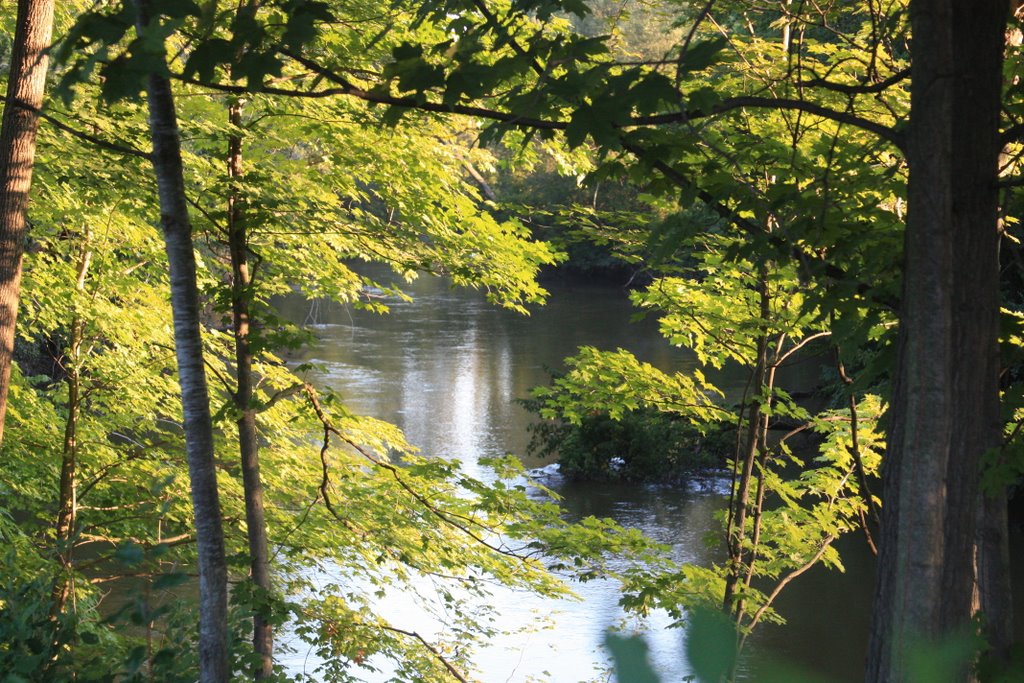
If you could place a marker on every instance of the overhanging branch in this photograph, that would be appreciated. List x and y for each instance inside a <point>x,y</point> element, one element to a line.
<point>860,89</point>
<point>778,103</point>
<point>345,87</point>
<point>82,135</point>
<point>746,225</point>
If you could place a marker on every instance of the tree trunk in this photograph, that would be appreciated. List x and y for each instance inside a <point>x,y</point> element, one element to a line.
<point>740,508</point>
<point>945,407</point>
<point>994,599</point>
<point>981,30</point>
<point>67,507</point>
<point>740,504</point>
<point>241,283</point>
<point>177,230</point>
<point>25,86</point>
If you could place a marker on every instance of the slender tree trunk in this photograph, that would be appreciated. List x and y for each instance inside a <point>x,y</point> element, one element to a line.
<point>25,86</point>
<point>67,508</point>
<point>174,220</point>
<point>945,408</point>
<point>762,468</point>
<point>741,507</point>
<point>241,283</point>
<point>869,513</point>
<point>736,528</point>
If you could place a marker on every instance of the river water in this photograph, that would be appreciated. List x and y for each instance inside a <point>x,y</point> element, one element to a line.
<point>447,368</point>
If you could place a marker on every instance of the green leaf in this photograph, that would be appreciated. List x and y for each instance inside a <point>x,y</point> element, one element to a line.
<point>652,92</point>
<point>172,580</point>
<point>206,57</point>
<point>702,99</point>
<point>303,16</point>
<point>255,67</point>
<point>179,9</point>
<point>129,553</point>
<point>630,658</point>
<point>97,28</point>
<point>711,644</point>
<point>702,54</point>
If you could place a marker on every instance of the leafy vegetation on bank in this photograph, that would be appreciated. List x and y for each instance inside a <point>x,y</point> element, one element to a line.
<point>640,445</point>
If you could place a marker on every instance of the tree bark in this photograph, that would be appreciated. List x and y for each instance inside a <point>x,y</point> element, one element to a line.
<point>25,87</point>
<point>740,508</point>
<point>241,284</point>
<point>981,38</point>
<point>67,506</point>
<point>740,505</point>
<point>945,406</point>
<point>994,599</point>
<point>177,230</point>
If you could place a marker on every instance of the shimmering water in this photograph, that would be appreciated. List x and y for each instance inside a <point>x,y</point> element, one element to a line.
<point>447,368</point>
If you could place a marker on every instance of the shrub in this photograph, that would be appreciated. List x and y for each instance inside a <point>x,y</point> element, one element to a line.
<point>642,445</point>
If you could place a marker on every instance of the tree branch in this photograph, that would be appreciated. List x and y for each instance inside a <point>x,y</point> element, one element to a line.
<point>82,135</point>
<point>513,43</point>
<point>346,87</point>
<point>746,225</point>
<point>825,543</point>
<point>857,89</point>
<point>685,183</point>
<point>804,342</point>
<point>447,517</point>
<point>413,634</point>
<point>779,103</point>
<point>279,396</point>
<point>484,186</point>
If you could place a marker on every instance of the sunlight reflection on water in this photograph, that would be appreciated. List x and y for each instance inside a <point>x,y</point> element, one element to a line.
<point>447,368</point>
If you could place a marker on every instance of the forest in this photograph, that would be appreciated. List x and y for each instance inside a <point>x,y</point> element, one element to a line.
<point>824,184</point>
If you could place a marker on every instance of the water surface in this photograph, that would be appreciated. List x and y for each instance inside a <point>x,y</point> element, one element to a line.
<point>447,368</point>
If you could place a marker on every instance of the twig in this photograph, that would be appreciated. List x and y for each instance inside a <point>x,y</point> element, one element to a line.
<point>279,396</point>
<point>448,518</point>
<point>413,634</point>
<point>857,89</point>
<point>786,580</point>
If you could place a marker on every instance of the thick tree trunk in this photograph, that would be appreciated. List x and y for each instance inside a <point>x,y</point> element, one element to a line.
<point>174,220</point>
<point>945,408</point>
<point>993,576</point>
<point>981,40</point>
<point>241,283</point>
<point>25,86</point>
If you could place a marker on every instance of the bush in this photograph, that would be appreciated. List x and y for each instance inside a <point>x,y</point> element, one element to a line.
<point>644,445</point>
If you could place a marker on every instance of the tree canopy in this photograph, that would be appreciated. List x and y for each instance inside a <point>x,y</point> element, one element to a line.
<point>804,179</point>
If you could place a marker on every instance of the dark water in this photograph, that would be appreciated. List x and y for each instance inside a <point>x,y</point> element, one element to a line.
<point>447,369</point>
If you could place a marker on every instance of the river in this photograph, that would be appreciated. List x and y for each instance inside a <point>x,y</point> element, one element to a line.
<point>447,368</point>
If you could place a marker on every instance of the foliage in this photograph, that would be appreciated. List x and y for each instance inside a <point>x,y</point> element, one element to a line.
<point>325,186</point>
<point>630,657</point>
<point>786,509</point>
<point>81,644</point>
<point>710,648</point>
<point>639,445</point>
<point>798,246</point>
